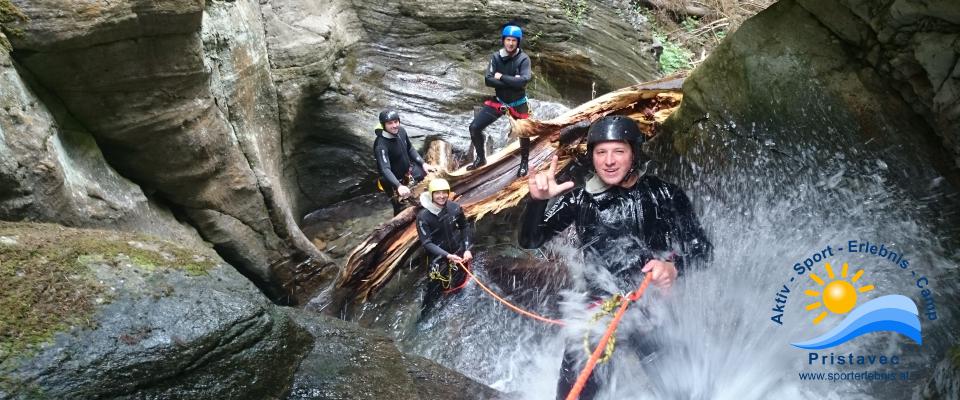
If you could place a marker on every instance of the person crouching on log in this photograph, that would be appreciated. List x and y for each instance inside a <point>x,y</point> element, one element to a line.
<point>508,74</point>
<point>628,223</point>
<point>446,235</point>
<point>398,163</point>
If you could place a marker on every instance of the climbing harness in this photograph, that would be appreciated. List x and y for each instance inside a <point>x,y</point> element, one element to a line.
<point>445,281</point>
<point>503,107</point>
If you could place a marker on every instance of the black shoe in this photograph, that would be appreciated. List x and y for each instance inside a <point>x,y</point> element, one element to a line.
<point>522,172</point>
<point>477,164</point>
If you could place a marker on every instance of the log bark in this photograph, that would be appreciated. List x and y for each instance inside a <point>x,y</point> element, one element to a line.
<point>495,187</point>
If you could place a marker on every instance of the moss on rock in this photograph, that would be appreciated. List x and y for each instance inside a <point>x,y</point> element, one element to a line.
<point>9,13</point>
<point>47,285</point>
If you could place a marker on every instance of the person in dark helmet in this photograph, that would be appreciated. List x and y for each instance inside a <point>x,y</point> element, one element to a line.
<point>446,235</point>
<point>398,163</point>
<point>629,223</point>
<point>508,74</point>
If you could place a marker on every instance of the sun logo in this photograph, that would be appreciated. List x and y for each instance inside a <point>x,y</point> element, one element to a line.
<point>839,296</point>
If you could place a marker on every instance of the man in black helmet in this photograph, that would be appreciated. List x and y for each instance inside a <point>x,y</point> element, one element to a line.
<point>399,164</point>
<point>629,224</point>
<point>508,74</point>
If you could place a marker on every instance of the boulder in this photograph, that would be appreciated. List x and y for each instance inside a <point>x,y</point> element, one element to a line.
<point>107,314</point>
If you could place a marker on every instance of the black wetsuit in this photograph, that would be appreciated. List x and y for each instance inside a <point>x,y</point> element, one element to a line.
<point>397,162</point>
<point>620,230</point>
<point>441,234</point>
<point>510,88</point>
<point>516,73</point>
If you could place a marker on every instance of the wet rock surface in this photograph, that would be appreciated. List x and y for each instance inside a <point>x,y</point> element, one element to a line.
<point>338,367</point>
<point>156,320</point>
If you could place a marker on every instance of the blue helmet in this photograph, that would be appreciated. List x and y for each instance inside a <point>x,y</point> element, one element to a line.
<point>511,31</point>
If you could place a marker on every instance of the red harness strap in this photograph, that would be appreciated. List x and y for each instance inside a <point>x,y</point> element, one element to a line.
<point>499,107</point>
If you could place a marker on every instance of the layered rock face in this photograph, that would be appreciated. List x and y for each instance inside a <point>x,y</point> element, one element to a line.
<point>240,117</point>
<point>337,64</point>
<point>179,98</point>
<point>51,169</point>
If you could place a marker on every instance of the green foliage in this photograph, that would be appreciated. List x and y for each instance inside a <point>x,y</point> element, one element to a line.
<point>690,24</point>
<point>10,13</point>
<point>575,10</point>
<point>674,57</point>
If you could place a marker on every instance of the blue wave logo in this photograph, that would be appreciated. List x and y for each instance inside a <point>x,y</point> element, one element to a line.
<point>894,313</point>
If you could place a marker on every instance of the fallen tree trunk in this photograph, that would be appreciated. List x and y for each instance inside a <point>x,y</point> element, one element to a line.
<point>495,187</point>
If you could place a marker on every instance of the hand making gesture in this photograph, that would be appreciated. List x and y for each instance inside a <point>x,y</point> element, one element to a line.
<point>543,184</point>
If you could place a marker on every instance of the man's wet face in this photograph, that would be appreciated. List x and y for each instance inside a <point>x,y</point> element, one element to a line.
<point>612,161</point>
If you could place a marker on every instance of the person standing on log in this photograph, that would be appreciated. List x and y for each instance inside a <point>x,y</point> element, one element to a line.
<point>508,74</point>
<point>629,224</point>
<point>398,163</point>
<point>447,236</point>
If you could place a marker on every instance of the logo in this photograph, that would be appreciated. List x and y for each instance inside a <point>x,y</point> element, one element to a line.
<point>894,313</point>
<point>858,308</point>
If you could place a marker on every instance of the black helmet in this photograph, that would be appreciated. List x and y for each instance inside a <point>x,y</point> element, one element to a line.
<point>389,115</point>
<point>615,128</point>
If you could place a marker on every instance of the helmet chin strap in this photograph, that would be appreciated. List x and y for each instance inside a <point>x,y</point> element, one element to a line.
<point>637,170</point>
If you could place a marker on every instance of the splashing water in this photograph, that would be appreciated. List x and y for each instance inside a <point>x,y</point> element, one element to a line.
<point>713,329</point>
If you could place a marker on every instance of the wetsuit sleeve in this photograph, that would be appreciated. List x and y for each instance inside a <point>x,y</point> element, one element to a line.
<point>424,232</point>
<point>491,70</point>
<point>466,228</point>
<point>525,75</point>
<point>383,163</point>
<point>414,156</point>
<point>693,248</point>
<point>538,225</point>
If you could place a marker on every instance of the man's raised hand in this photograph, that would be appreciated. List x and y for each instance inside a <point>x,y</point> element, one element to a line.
<point>543,185</point>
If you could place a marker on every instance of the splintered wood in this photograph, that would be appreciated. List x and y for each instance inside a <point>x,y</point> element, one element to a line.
<point>495,187</point>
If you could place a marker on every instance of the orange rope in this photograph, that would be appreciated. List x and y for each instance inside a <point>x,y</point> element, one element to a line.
<point>592,362</point>
<point>507,303</point>
<point>460,286</point>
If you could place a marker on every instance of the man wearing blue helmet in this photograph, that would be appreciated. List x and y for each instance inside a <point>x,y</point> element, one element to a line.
<point>508,74</point>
